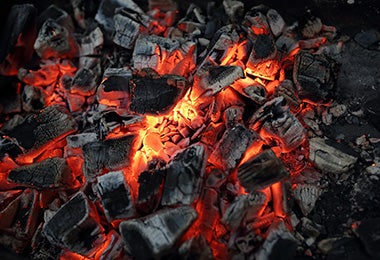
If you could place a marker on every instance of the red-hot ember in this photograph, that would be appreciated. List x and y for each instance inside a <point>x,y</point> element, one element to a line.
<point>182,146</point>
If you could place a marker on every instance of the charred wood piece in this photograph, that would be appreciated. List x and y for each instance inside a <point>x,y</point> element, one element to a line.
<point>234,9</point>
<point>306,196</point>
<point>257,93</point>
<point>184,176</point>
<point>107,9</point>
<point>152,236</point>
<point>55,41</point>
<point>19,220</point>
<point>33,99</point>
<point>50,173</point>
<point>261,171</point>
<point>230,149</point>
<point>262,61</point>
<point>150,186</point>
<point>78,140</point>
<point>57,14</point>
<point>287,90</point>
<point>42,129</point>
<point>242,206</point>
<point>75,226</point>
<point>276,120</point>
<point>9,147</point>
<point>156,95</point>
<point>90,46</point>
<point>111,154</point>
<point>128,24</point>
<point>10,98</point>
<point>115,196</point>
<point>276,22</point>
<point>233,116</point>
<point>257,21</point>
<point>329,159</point>
<point>315,76</point>
<point>195,248</point>
<point>84,82</point>
<point>214,79</point>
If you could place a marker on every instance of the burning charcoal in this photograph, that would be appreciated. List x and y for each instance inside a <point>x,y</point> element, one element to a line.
<point>262,61</point>
<point>156,95</point>
<point>276,120</point>
<point>276,23</point>
<point>257,21</point>
<point>113,249</point>
<point>314,76</point>
<point>152,236</point>
<point>242,206</point>
<point>9,147</point>
<point>89,46</point>
<point>19,31</point>
<point>233,116</point>
<point>286,44</point>
<point>257,93</point>
<point>111,119</point>
<point>246,243</point>
<point>127,26</point>
<point>312,27</point>
<point>33,99</point>
<point>50,173</point>
<point>279,243</point>
<point>115,87</point>
<point>78,140</point>
<point>306,196</point>
<point>55,41</point>
<point>329,159</point>
<point>75,226</point>
<point>42,248</point>
<point>107,9</point>
<point>214,79</point>
<point>57,14</point>
<point>111,154</point>
<point>115,196</point>
<point>215,178</point>
<point>184,176</point>
<point>231,147</point>
<point>234,9</point>
<point>42,130</point>
<point>195,248</point>
<point>287,90</point>
<point>261,171</point>
<point>19,220</point>
<point>150,183</point>
<point>84,82</point>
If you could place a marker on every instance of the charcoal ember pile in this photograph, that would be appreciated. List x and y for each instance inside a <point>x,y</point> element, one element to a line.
<point>141,132</point>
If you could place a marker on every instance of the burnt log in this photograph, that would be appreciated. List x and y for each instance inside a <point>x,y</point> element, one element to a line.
<point>75,226</point>
<point>111,154</point>
<point>155,235</point>
<point>315,76</point>
<point>156,96</point>
<point>50,173</point>
<point>231,148</point>
<point>184,176</point>
<point>115,196</point>
<point>261,171</point>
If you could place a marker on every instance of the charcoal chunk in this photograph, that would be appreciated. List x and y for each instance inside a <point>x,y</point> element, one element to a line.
<point>115,196</point>
<point>261,171</point>
<point>75,226</point>
<point>195,248</point>
<point>84,82</point>
<point>42,129</point>
<point>111,154</point>
<point>230,149</point>
<point>33,99</point>
<point>156,95</point>
<point>315,76</point>
<point>154,235</point>
<point>50,173</point>
<point>10,147</point>
<point>184,176</point>
<point>306,196</point>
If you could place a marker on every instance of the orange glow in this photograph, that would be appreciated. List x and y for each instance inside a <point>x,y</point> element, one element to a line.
<point>277,195</point>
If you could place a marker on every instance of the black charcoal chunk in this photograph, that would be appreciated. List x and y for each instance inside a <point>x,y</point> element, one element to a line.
<point>315,76</point>
<point>306,195</point>
<point>230,149</point>
<point>55,41</point>
<point>111,154</point>
<point>75,226</point>
<point>115,196</point>
<point>275,118</point>
<point>150,183</point>
<point>58,15</point>
<point>195,248</point>
<point>10,98</point>
<point>10,147</point>
<point>38,130</point>
<point>33,99</point>
<point>261,171</point>
<point>214,79</point>
<point>84,82</point>
<point>50,173</point>
<point>78,140</point>
<point>184,176</point>
<point>156,95</point>
<point>154,235</point>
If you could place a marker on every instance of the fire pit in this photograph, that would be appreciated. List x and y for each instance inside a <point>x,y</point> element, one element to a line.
<point>216,130</point>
